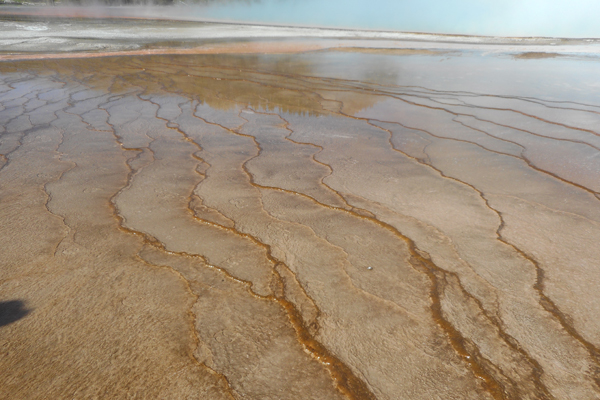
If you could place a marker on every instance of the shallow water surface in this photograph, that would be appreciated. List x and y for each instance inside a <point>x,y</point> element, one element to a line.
<point>348,223</point>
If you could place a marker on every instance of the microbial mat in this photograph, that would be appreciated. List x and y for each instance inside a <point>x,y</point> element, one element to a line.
<point>259,218</point>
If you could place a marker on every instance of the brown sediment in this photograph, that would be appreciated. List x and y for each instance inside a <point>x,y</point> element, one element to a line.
<point>532,55</point>
<point>518,129</point>
<point>545,301</point>
<point>242,88</point>
<point>345,380</point>
<point>192,319</point>
<point>425,265</point>
<point>454,336</point>
<point>478,371</point>
<point>420,260</point>
<point>525,159</point>
<point>522,156</point>
<point>150,241</point>
<point>472,357</point>
<point>401,97</point>
<point>508,339</point>
<point>61,176</point>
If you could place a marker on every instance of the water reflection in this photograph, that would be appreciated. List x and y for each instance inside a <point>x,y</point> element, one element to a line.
<point>262,82</point>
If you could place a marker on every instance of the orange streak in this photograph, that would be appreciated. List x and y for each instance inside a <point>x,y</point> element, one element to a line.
<point>226,48</point>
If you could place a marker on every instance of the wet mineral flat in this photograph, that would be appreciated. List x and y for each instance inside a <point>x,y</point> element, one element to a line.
<point>351,223</point>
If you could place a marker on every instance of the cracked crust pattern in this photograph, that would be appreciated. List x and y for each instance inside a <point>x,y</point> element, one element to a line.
<point>276,227</point>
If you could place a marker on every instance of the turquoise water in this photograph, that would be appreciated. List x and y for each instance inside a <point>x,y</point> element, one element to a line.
<point>558,18</point>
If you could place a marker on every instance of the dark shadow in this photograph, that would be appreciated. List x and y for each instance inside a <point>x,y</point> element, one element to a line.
<point>11,311</point>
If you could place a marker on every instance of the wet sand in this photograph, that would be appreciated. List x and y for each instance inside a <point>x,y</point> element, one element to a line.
<point>355,224</point>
